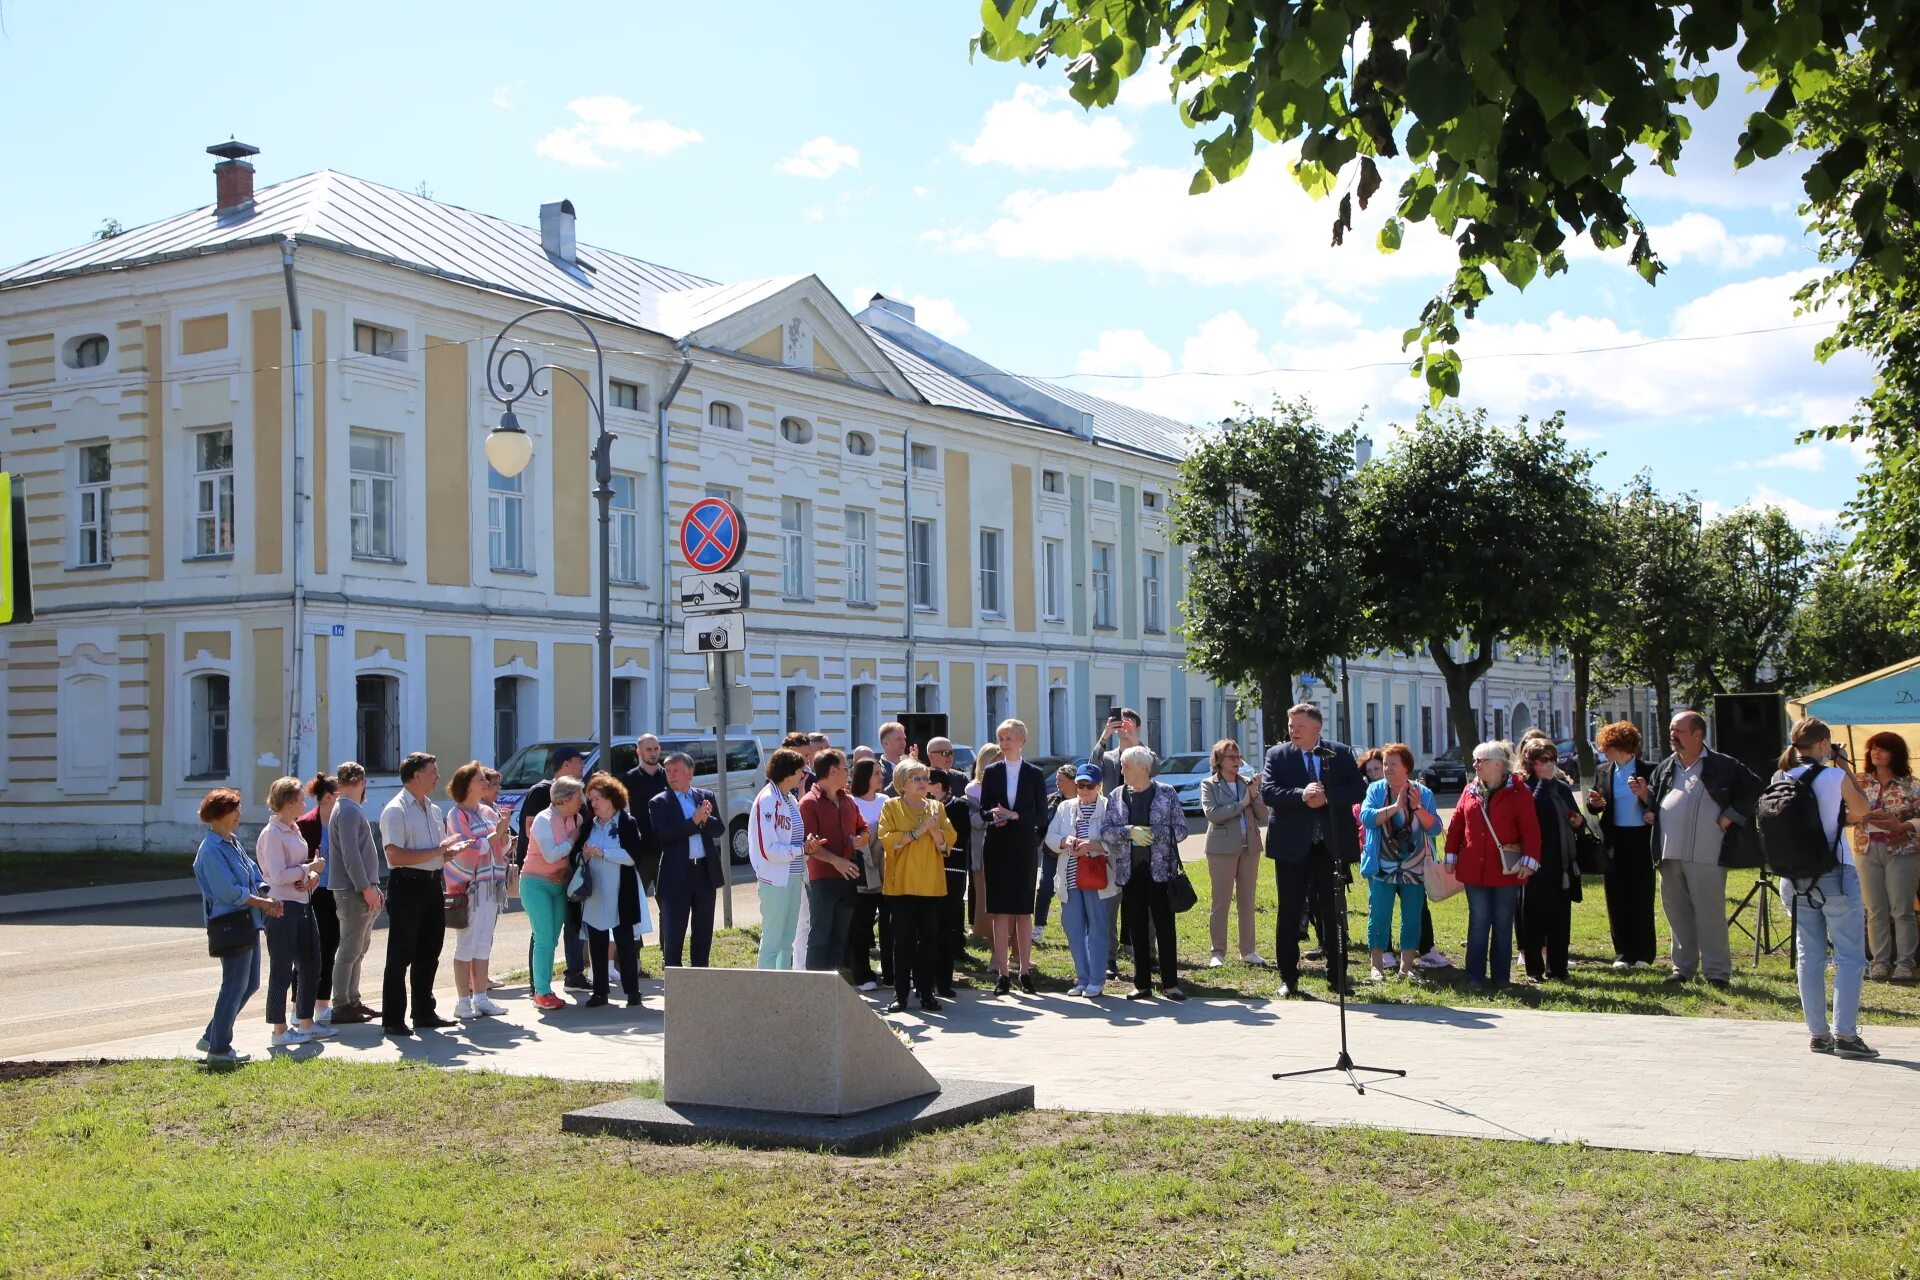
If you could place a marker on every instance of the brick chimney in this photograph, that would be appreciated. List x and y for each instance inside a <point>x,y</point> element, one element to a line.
<point>232,179</point>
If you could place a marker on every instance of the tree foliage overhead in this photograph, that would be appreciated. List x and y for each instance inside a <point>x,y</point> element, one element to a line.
<point>1761,567</point>
<point>1263,505</point>
<point>1848,625</point>
<point>1462,527</point>
<point>1875,281</point>
<point>1521,121</point>
<point>1664,588</point>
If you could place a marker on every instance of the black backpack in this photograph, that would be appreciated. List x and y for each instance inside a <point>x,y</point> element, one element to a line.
<point>1793,839</point>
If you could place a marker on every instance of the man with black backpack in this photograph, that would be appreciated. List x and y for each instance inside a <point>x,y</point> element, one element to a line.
<point>1702,806</point>
<point>1802,816</point>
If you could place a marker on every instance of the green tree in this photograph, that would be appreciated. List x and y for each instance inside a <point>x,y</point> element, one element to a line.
<point>1664,590</point>
<point>1518,123</point>
<point>1262,503</point>
<point>1863,116</point>
<point>1761,567</point>
<point>1582,541</point>
<point>1461,524</point>
<point>1849,624</point>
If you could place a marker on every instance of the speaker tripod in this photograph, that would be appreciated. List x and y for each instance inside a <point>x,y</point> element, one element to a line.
<point>1334,903</point>
<point>1760,899</point>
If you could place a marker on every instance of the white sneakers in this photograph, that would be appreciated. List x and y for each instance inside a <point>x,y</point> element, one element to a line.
<point>323,1017</point>
<point>1376,974</point>
<point>1214,961</point>
<point>868,985</point>
<point>289,1038</point>
<point>1076,991</point>
<point>318,1031</point>
<point>1255,959</point>
<point>1434,959</point>
<point>482,1005</point>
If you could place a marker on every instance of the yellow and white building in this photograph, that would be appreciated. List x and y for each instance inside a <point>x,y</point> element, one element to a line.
<point>265,536</point>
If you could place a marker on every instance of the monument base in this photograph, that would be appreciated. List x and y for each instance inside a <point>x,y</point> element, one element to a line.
<point>958,1102</point>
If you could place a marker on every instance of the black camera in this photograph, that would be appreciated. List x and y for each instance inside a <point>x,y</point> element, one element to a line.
<point>713,640</point>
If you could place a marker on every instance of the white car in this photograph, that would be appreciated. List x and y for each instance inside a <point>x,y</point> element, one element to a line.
<point>1185,772</point>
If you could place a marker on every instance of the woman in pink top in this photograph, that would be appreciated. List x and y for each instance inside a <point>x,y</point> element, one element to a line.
<point>478,871</point>
<point>293,937</point>
<point>543,882</point>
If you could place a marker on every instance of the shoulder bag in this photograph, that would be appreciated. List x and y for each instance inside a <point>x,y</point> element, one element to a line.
<point>232,933</point>
<point>1510,854</point>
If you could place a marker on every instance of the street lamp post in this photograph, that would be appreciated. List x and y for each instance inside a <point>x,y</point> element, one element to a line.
<point>509,449</point>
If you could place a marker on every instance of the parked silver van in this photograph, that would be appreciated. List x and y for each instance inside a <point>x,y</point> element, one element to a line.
<point>745,773</point>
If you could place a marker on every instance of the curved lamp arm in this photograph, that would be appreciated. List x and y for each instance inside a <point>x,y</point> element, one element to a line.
<point>509,384</point>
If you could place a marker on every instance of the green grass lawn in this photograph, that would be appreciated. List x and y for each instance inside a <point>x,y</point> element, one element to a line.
<point>35,872</point>
<point>1765,993</point>
<point>327,1169</point>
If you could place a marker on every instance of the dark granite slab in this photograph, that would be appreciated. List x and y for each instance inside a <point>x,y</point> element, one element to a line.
<point>958,1102</point>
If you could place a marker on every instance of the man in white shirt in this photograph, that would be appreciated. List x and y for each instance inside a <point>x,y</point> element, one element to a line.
<point>417,844</point>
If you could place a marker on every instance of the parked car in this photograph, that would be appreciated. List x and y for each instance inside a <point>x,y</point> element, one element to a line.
<point>1447,771</point>
<point>1186,771</point>
<point>744,774</point>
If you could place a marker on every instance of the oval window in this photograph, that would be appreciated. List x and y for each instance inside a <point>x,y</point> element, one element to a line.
<point>796,431</point>
<point>87,351</point>
<point>859,444</point>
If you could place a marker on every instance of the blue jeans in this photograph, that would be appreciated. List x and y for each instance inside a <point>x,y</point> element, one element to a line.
<point>779,920</point>
<point>1832,912</point>
<point>239,979</point>
<point>1490,912</point>
<point>1084,914</point>
<point>1380,899</point>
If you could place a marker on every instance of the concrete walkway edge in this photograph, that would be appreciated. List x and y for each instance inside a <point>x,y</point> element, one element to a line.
<point>99,895</point>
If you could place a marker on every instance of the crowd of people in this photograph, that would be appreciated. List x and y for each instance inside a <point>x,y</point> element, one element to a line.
<point>896,847</point>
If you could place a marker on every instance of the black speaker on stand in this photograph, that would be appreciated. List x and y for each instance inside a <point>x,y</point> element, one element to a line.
<point>1752,728</point>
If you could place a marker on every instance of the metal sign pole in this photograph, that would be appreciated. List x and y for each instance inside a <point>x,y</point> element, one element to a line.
<point>721,682</point>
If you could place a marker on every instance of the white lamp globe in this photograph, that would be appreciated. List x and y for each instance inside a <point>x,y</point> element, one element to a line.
<point>509,448</point>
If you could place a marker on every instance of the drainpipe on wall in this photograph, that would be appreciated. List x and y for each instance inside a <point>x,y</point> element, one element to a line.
<point>906,472</point>
<point>297,689</point>
<point>666,538</point>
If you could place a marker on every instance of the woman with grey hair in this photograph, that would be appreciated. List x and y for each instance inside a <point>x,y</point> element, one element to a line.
<point>543,882</point>
<point>1142,830</point>
<point>1493,846</point>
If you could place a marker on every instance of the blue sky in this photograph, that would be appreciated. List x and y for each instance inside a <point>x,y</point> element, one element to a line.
<point>858,142</point>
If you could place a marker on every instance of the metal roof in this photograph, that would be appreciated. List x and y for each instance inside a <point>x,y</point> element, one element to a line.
<point>1123,424</point>
<point>945,389</point>
<point>355,216</point>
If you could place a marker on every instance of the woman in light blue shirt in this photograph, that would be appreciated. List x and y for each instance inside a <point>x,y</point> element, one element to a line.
<point>1399,817</point>
<point>230,884</point>
<point>615,914</point>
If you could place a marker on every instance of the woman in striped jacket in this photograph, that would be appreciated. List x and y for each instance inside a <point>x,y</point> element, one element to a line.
<point>479,871</point>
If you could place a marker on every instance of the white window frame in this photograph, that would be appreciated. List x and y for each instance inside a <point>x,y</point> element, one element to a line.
<point>1053,482</point>
<point>724,415</point>
<point>70,351</point>
<point>795,430</point>
<point>381,341</point>
<point>620,391</point>
<point>1151,618</point>
<point>993,594</point>
<point>796,529</point>
<point>627,542</point>
<point>923,575</point>
<point>1053,579</point>
<point>997,702</point>
<point>1113,492</point>
<point>360,508</point>
<point>497,500</point>
<point>395,729</point>
<point>860,558</point>
<point>212,506</point>
<point>92,510</point>
<point>870,446</point>
<point>931,454</point>
<point>1100,580</point>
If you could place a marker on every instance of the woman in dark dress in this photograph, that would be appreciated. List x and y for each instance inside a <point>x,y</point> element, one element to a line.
<point>1547,898</point>
<point>1619,801</point>
<point>1013,803</point>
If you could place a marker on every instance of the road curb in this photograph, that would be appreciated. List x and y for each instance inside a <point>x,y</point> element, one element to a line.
<point>100,895</point>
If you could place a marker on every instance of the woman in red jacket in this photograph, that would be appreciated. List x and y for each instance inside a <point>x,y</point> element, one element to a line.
<point>1493,845</point>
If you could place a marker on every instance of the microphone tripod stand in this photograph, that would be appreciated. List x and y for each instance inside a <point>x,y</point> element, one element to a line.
<point>1344,1063</point>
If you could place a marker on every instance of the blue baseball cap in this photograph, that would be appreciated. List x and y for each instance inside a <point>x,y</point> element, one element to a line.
<point>1088,772</point>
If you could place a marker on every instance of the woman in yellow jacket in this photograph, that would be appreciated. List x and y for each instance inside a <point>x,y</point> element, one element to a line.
<point>915,836</point>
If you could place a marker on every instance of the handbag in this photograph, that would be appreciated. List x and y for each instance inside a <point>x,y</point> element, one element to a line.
<point>580,888</point>
<point>1590,851</point>
<point>232,933</point>
<point>1510,854</point>
<point>1441,882</point>
<point>1180,892</point>
<point>455,905</point>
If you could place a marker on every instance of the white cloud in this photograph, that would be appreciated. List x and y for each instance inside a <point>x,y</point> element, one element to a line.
<point>1799,458</point>
<point>1044,130</point>
<point>938,315</point>
<point>610,124</point>
<point>1692,237</point>
<point>1259,228</point>
<point>1809,517</point>
<point>1313,312</point>
<point>821,157</point>
<point>504,95</point>
<point>1150,86</point>
<point>1124,351</point>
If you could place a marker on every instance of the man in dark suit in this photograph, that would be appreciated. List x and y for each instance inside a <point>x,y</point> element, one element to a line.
<point>688,829</point>
<point>567,761</point>
<point>1310,787</point>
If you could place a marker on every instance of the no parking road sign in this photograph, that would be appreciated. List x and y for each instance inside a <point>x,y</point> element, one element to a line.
<point>712,535</point>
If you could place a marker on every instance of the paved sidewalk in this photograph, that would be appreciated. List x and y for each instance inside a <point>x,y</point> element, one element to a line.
<point>1696,1085</point>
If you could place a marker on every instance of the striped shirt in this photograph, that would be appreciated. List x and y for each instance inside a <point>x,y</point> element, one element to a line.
<point>797,835</point>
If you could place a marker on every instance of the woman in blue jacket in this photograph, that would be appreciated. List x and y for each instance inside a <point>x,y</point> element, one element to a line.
<point>230,883</point>
<point>1399,818</point>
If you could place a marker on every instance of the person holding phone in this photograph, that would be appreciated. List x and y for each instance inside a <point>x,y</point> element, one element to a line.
<point>417,844</point>
<point>293,936</point>
<point>1399,818</point>
<point>1619,799</point>
<point>615,913</point>
<point>480,872</point>
<point>546,867</point>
